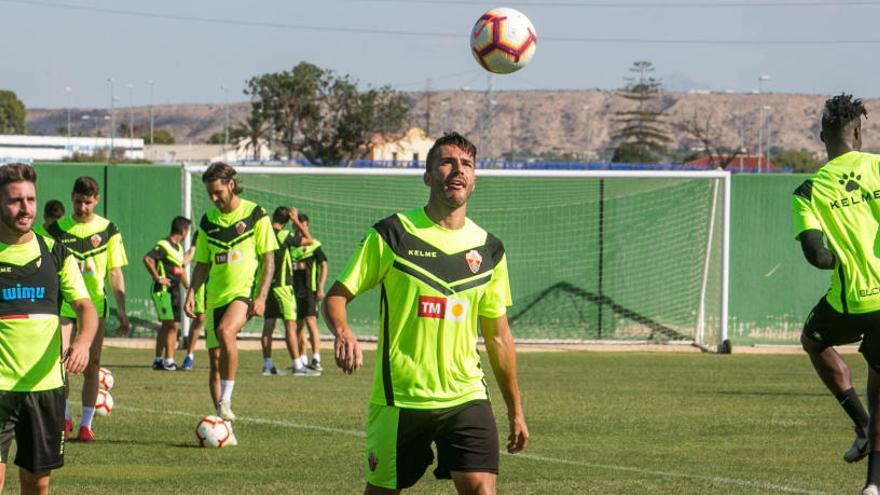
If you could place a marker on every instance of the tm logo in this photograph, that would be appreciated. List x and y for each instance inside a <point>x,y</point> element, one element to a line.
<point>849,181</point>
<point>18,292</point>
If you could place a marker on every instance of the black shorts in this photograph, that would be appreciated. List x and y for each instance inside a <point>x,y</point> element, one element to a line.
<point>828,327</point>
<point>465,435</point>
<point>306,305</point>
<point>36,421</point>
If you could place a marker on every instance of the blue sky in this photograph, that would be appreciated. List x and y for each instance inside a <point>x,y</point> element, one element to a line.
<point>191,49</point>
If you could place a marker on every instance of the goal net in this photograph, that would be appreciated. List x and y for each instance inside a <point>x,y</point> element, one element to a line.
<point>593,255</point>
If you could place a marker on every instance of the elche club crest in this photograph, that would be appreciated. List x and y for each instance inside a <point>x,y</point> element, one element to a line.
<point>474,260</point>
<point>239,227</point>
<point>95,240</point>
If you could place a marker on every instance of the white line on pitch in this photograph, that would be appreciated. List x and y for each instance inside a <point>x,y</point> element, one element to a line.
<point>611,467</point>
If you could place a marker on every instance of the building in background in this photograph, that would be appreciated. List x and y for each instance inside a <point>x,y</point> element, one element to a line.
<point>208,153</point>
<point>411,146</point>
<point>27,149</point>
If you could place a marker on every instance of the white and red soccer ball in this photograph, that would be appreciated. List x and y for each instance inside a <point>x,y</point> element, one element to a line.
<point>503,40</point>
<point>105,379</point>
<point>213,431</point>
<point>104,403</point>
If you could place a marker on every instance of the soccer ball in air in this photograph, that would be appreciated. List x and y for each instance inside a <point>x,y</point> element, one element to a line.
<point>212,431</point>
<point>104,404</point>
<point>503,40</point>
<point>105,379</point>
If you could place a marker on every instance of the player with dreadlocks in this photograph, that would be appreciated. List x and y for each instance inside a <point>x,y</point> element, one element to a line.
<point>838,208</point>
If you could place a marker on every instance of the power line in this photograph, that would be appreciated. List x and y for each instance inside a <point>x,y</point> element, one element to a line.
<point>429,34</point>
<point>649,5</point>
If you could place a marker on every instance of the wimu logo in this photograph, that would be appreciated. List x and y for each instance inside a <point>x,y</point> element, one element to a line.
<point>28,293</point>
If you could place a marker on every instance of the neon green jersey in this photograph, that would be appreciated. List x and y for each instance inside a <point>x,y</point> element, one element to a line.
<point>97,247</point>
<point>842,200</point>
<point>232,244</point>
<point>434,284</point>
<point>36,276</point>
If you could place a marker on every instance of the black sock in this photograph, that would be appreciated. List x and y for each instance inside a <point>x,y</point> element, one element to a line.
<point>850,403</point>
<point>873,469</point>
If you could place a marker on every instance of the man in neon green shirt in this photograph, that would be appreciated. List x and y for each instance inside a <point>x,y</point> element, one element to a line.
<point>36,274</point>
<point>166,263</point>
<point>440,274</point>
<point>53,210</point>
<point>97,245</point>
<point>309,277</point>
<point>234,249</point>
<point>837,207</point>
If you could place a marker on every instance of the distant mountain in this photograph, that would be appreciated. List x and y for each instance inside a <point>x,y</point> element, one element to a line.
<point>526,123</point>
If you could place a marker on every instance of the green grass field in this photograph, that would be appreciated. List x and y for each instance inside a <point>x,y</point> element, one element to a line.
<point>600,423</point>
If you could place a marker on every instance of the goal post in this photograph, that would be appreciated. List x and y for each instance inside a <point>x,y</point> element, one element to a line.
<point>598,255</point>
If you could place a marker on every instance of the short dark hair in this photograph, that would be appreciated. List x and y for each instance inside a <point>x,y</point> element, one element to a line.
<point>53,209</point>
<point>302,217</point>
<point>224,173</point>
<point>451,139</point>
<point>840,111</point>
<point>281,215</point>
<point>179,224</point>
<point>86,186</point>
<point>17,172</point>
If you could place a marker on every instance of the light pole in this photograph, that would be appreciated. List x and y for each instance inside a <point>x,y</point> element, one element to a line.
<point>761,80</point>
<point>68,90</point>
<point>589,125</point>
<point>225,89</point>
<point>766,124</point>
<point>112,102</point>
<point>150,82</point>
<point>130,118</point>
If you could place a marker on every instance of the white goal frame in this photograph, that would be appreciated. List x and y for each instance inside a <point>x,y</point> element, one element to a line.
<point>723,177</point>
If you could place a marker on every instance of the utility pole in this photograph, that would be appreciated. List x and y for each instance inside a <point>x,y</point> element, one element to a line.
<point>428,106</point>
<point>488,120</point>
<point>130,119</point>
<point>225,89</point>
<point>150,82</point>
<point>112,130</point>
<point>761,80</point>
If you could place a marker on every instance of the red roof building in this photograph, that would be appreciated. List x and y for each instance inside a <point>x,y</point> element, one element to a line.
<point>740,163</point>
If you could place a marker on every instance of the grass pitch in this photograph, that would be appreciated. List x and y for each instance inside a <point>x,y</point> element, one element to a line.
<point>600,423</point>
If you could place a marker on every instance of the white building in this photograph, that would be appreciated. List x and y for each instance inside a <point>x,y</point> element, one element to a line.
<point>22,148</point>
<point>208,153</point>
<point>411,146</point>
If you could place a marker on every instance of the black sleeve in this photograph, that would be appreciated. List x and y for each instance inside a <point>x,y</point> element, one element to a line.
<point>320,257</point>
<point>813,245</point>
<point>156,253</point>
<point>295,239</point>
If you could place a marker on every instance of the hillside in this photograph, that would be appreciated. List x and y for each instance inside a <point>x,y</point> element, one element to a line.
<point>525,122</point>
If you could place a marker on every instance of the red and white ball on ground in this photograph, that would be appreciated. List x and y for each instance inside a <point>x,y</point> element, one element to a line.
<point>212,431</point>
<point>105,379</point>
<point>503,40</point>
<point>104,403</point>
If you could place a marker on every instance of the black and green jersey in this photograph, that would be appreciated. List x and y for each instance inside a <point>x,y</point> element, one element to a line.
<point>434,284</point>
<point>842,200</point>
<point>232,244</point>
<point>35,277</point>
<point>306,263</point>
<point>283,265</point>
<point>97,247</point>
<point>169,258</point>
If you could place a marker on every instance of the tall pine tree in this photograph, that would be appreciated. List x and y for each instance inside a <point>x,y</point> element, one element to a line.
<point>641,137</point>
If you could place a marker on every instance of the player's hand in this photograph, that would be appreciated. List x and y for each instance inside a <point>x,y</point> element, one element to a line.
<point>320,294</point>
<point>347,351</point>
<point>190,305</point>
<point>519,434</point>
<point>76,358</point>
<point>124,326</point>
<point>164,281</point>
<point>258,307</point>
<point>294,215</point>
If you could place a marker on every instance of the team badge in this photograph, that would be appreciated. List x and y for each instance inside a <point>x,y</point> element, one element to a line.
<point>474,260</point>
<point>239,227</point>
<point>95,240</point>
<point>373,461</point>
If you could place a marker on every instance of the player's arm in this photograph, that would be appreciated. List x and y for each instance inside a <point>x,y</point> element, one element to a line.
<point>502,356</point>
<point>200,275</point>
<point>346,348</point>
<point>73,290</point>
<point>813,246</point>
<point>268,261</point>
<point>306,238</point>
<point>150,263</point>
<point>322,280</point>
<point>117,286</point>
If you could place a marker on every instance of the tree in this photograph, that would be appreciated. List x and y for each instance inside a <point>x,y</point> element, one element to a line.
<point>798,161</point>
<point>255,129</point>
<point>160,136</point>
<point>122,130</point>
<point>641,137</point>
<point>236,134</point>
<point>704,130</point>
<point>12,114</point>
<point>323,115</point>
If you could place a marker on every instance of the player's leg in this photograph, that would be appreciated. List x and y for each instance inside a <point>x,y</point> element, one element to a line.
<point>315,340</point>
<point>301,339</point>
<point>160,347</point>
<point>230,323</point>
<point>398,448</point>
<point>214,375</point>
<point>292,343</point>
<point>68,330</point>
<point>38,437</point>
<point>266,344</point>
<point>90,385</point>
<point>870,349</point>
<point>467,448</point>
<point>170,328</point>
<point>195,330</point>
<point>34,483</point>
<point>376,490</point>
<point>8,406</point>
